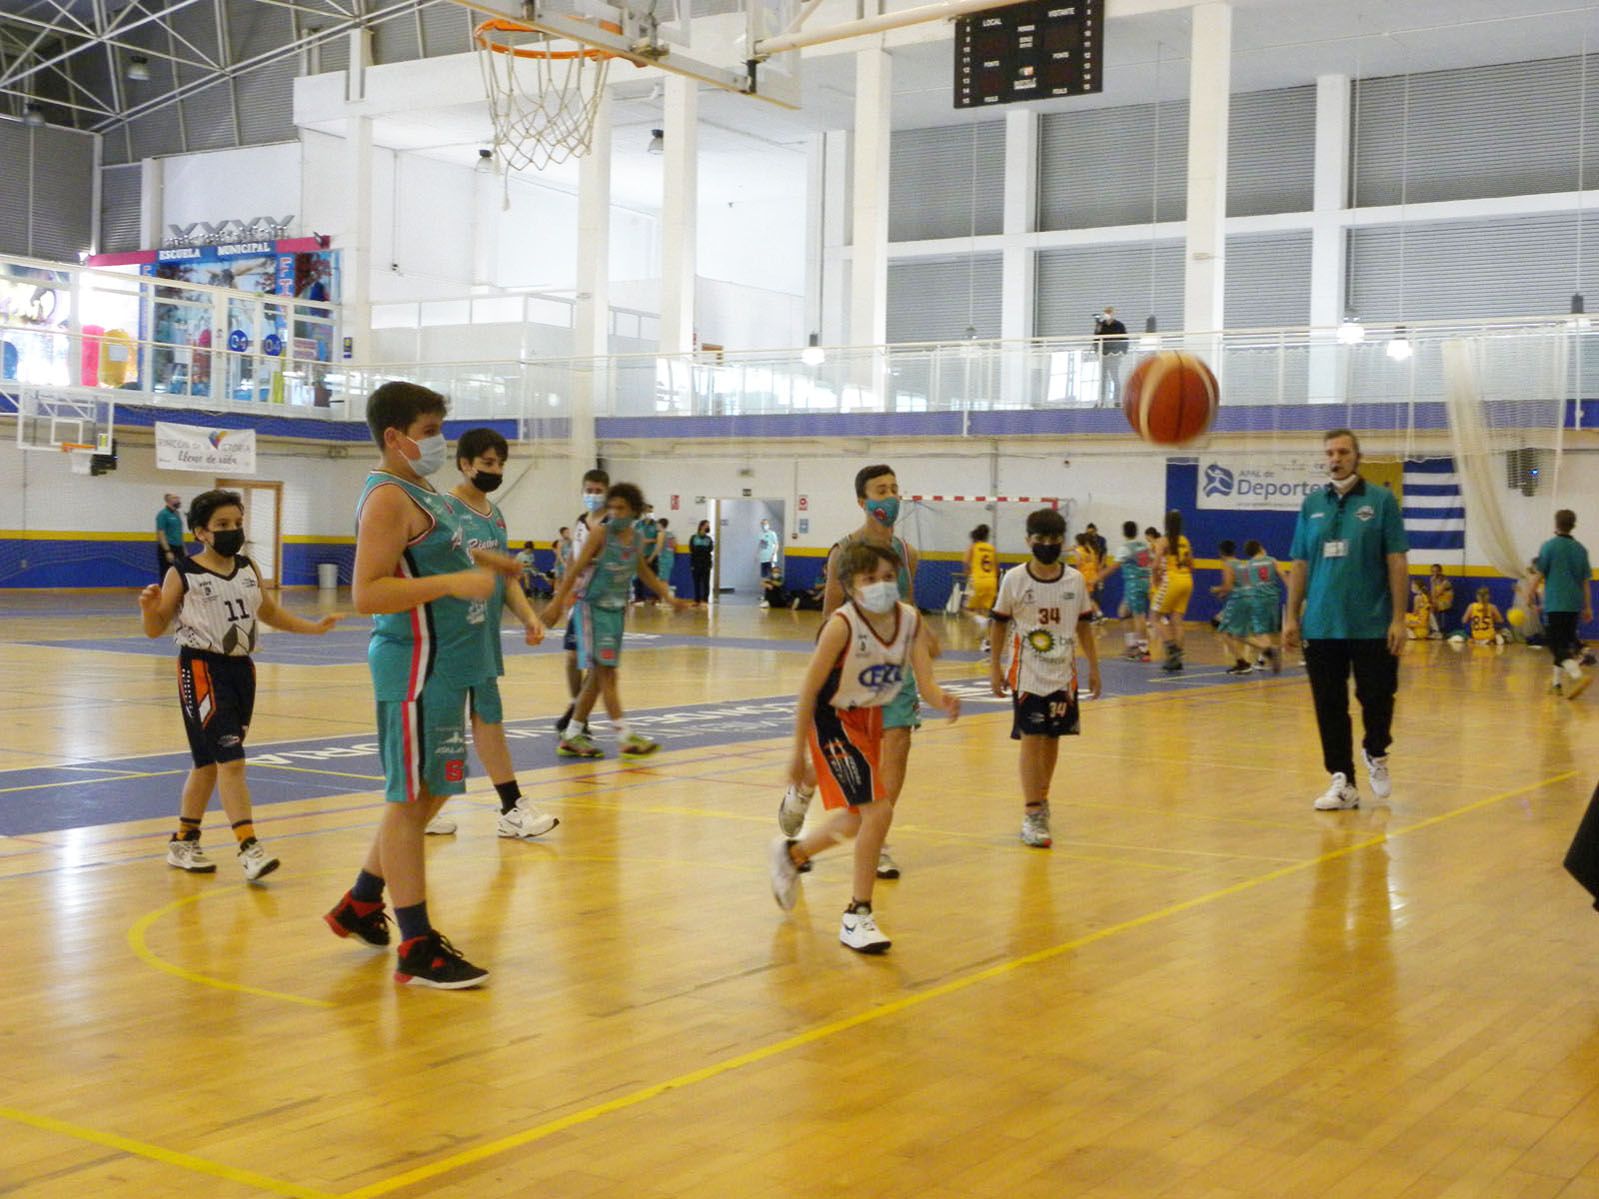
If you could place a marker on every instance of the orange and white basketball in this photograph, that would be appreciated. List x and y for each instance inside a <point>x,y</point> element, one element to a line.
<point>1170,398</point>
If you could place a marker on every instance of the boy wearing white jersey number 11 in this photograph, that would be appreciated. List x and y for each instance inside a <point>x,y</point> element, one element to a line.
<point>1041,608</point>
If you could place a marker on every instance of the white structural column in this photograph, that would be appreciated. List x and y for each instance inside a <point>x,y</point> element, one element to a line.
<point>152,198</point>
<point>356,259</point>
<point>1329,240</point>
<point>1018,279</point>
<point>834,326</point>
<point>679,213</point>
<point>356,256</point>
<point>1209,97</point>
<point>874,94</point>
<point>591,319</point>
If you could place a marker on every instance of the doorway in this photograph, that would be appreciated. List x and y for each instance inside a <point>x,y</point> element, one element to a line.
<point>263,525</point>
<point>738,539</point>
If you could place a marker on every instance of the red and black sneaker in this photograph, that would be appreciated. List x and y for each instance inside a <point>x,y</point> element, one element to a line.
<point>371,925</point>
<point>431,961</point>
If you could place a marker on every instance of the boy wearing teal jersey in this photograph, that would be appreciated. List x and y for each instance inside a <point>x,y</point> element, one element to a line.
<point>1135,559</point>
<point>1564,567</point>
<point>612,558</point>
<point>428,595</point>
<point>480,456</point>
<point>877,492</point>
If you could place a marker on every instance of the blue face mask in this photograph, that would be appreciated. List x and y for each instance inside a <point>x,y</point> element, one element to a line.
<point>884,511</point>
<point>432,452</point>
<point>592,502</point>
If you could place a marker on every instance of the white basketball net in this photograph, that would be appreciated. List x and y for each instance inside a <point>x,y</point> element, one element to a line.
<point>543,98</point>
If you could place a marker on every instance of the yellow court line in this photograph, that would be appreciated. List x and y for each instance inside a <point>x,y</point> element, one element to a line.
<point>141,949</point>
<point>894,1007</point>
<point>343,774</point>
<point>170,1157</point>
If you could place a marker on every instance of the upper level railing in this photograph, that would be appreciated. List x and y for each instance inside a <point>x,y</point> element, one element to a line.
<point>173,343</point>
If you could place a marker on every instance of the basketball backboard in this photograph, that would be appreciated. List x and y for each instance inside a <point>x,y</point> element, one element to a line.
<point>714,49</point>
<point>65,419</point>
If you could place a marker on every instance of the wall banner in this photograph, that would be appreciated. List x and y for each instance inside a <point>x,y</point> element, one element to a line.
<point>191,447</point>
<point>1240,482</point>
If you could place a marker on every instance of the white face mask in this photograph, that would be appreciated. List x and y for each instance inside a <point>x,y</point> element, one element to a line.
<point>432,453</point>
<point>878,597</point>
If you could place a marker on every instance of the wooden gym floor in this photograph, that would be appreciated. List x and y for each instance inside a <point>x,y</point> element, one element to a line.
<point>1204,989</point>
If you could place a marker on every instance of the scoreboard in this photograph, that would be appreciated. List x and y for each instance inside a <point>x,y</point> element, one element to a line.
<point>1032,51</point>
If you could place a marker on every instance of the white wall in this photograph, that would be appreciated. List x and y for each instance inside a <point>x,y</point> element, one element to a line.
<point>233,185</point>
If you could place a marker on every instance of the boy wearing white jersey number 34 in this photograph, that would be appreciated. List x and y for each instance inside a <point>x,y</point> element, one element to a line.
<point>1040,608</point>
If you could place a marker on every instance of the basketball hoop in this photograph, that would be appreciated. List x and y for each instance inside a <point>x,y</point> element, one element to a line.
<point>544,93</point>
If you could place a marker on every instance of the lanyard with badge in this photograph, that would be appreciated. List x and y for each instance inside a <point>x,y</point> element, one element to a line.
<point>1336,546</point>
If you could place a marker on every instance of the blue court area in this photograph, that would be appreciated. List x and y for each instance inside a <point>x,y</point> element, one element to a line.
<point>52,798</point>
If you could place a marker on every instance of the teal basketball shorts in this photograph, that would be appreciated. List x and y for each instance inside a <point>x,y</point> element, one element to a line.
<point>598,634</point>
<point>422,743</point>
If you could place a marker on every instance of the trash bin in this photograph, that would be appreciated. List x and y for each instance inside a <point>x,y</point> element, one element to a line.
<point>327,576</point>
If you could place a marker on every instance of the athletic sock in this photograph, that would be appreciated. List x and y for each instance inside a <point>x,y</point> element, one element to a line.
<point>509,793</point>
<point>858,905</point>
<point>368,888</point>
<point>244,830</point>
<point>566,718</point>
<point>413,921</point>
<point>621,729</point>
<point>189,830</point>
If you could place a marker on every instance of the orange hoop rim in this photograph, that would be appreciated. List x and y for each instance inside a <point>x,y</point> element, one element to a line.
<point>483,36</point>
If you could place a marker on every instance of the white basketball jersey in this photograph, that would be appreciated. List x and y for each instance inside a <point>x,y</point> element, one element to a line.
<point>218,611</point>
<point>871,671</point>
<point>1041,649</point>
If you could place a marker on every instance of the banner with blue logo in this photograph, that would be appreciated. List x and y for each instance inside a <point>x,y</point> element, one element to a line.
<point>1247,482</point>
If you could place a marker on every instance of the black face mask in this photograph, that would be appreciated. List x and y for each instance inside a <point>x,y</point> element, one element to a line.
<point>228,542</point>
<point>1047,554</point>
<point>486,482</point>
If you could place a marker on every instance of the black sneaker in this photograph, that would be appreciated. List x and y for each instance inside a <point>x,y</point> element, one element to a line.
<point>431,961</point>
<point>373,928</point>
<point>1240,668</point>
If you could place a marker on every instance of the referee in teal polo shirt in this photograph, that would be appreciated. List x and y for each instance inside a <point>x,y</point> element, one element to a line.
<point>1563,563</point>
<point>168,534</point>
<point>1351,581</point>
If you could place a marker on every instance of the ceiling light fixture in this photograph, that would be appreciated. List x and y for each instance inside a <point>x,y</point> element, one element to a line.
<point>1399,347</point>
<point>813,354</point>
<point>138,69</point>
<point>33,116</point>
<point>657,142</point>
<point>1351,332</point>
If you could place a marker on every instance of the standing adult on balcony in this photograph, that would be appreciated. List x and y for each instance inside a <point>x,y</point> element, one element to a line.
<point>168,534</point>
<point>1347,599</point>
<point>1111,336</point>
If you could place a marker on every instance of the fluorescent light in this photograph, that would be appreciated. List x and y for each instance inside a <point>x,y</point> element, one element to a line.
<point>813,354</point>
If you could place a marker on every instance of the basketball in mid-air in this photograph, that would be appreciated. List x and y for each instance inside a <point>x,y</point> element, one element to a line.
<point>1170,398</point>
<point>1516,617</point>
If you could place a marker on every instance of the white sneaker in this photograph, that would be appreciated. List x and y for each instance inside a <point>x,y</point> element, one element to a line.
<point>525,820</point>
<point>791,812</point>
<point>440,826</point>
<point>785,875</point>
<point>257,862</point>
<point>887,867</point>
<point>860,932</point>
<point>1338,796</point>
<point>1035,829</point>
<point>1377,774</point>
<point>187,855</point>
<point>1572,667</point>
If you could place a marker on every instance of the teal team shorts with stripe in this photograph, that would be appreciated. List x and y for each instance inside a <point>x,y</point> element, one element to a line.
<point>483,701</point>
<point>901,712</point>
<point>598,634</point>
<point>422,743</point>
<point>1137,599</point>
